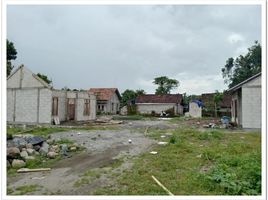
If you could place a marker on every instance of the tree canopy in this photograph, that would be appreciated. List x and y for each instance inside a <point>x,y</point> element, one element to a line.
<point>165,84</point>
<point>128,95</point>
<point>11,55</point>
<point>44,78</point>
<point>243,67</point>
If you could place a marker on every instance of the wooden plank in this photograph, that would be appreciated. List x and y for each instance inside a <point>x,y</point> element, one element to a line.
<point>162,186</point>
<point>25,170</point>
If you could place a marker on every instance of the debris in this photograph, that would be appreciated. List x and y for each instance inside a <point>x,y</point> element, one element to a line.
<point>35,140</point>
<point>163,136</point>
<point>161,185</point>
<point>146,130</point>
<point>24,154</point>
<point>169,134</point>
<point>201,145</point>
<point>162,143</point>
<point>78,133</point>
<point>64,149</point>
<point>13,152</point>
<point>199,156</point>
<point>25,170</point>
<point>73,149</point>
<point>30,151</point>
<point>129,141</point>
<point>242,137</point>
<point>153,152</point>
<point>197,123</point>
<point>29,158</point>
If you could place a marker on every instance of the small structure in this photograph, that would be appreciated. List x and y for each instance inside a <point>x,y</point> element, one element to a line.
<point>246,102</point>
<point>195,109</point>
<point>108,100</point>
<point>156,104</point>
<point>30,100</point>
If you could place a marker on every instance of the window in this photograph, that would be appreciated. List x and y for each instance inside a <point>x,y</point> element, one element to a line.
<point>86,107</point>
<point>55,106</point>
<point>102,107</point>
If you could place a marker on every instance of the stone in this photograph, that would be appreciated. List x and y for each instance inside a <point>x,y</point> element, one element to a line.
<point>29,146</point>
<point>52,154</point>
<point>30,151</point>
<point>64,149</point>
<point>36,153</point>
<point>44,149</point>
<point>19,142</point>
<point>13,152</point>
<point>10,143</point>
<point>30,158</point>
<point>35,140</point>
<point>73,149</point>
<point>36,147</point>
<point>55,148</point>
<point>24,154</point>
<point>18,163</point>
<point>23,149</point>
<point>8,164</point>
<point>50,141</point>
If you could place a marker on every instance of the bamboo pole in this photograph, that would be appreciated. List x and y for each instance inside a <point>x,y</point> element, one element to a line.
<point>161,185</point>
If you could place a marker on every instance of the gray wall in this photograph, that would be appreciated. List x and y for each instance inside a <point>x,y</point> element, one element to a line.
<point>29,105</point>
<point>251,104</point>
<point>158,108</point>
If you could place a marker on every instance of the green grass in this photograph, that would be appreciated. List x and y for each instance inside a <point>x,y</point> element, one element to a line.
<point>196,163</point>
<point>128,117</point>
<point>22,190</point>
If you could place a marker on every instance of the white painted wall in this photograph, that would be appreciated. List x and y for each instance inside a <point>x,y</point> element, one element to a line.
<point>195,110</point>
<point>158,108</point>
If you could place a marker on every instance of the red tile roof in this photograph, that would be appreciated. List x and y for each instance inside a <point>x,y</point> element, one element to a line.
<point>105,93</point>
<point>166,98</point>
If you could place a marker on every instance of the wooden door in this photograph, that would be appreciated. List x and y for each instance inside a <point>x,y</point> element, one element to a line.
<point>71,109</point>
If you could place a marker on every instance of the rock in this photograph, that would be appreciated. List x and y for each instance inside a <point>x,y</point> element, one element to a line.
<point>18,163</point>
<point>50,141</point>
<point>29,146</point>
<point>30,151</point>
<point>36,153</point>
<point>64,149</point>
<point>8,164</point>
<point>36,147</point>
<point>23,149</point>
<point>52,155</point>
<point>30,158</point>
<point>10,143</point>
<point>44,149</point>
<point>73,149</point>
<point>13,152</point>
<point>35,140</point>
<point>55,148</point>
<point>24,154</point>
<point>19,142</point>
<point>162,143</point>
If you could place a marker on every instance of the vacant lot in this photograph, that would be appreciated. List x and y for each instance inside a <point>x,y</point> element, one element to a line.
<point>195,161</point>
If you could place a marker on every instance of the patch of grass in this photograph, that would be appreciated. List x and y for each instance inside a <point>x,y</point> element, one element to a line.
<point>128,117</point>
<point>233,166</point>
<point>9,191</point>
<point>26,189</point>
<point>64,141</point>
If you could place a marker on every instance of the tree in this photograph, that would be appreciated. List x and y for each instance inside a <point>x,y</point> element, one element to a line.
<point>128,95</point>
<point>243,67</point>
<point>218,96</point>
<point>11,55</point>
<point>44,78</point>
<point>165,84</point>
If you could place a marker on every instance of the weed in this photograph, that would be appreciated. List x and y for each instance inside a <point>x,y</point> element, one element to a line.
<point>26,189</point>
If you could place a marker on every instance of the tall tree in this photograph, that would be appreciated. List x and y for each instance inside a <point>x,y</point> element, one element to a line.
<point>44,78</point>
<point>11,55</point>
<point>128,95</point>
<point>165,84</point>
<point>243,67</point>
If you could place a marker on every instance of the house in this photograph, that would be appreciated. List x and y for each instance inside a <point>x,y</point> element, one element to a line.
<point>30,100</point>
<point>209,104</point>
<point>246,102</point>
<point>108,99</point>
<point>151,103</point>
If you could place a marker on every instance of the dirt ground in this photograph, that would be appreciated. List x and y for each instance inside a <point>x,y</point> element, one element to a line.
<point>107,153</point>
<point>103,149</point>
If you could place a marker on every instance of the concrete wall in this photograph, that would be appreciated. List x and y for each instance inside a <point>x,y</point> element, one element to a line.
<point>113,101</point>
<point>237,95</point>
<point>29,105</point>
<point>195,110</point>
<point>251,104</point>
<point>62,102</point>
<point>158,108</point>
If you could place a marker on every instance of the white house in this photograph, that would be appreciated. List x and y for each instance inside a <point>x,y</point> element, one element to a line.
<point>246,102</point>
<point>30,100</point>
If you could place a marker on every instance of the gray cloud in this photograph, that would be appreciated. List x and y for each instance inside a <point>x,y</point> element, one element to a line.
<point>128,46</point>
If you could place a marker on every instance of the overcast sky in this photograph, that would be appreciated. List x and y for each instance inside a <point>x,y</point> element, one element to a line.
<point>128,46</point>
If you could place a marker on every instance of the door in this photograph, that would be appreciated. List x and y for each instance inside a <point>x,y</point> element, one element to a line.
<point>71,109</point>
